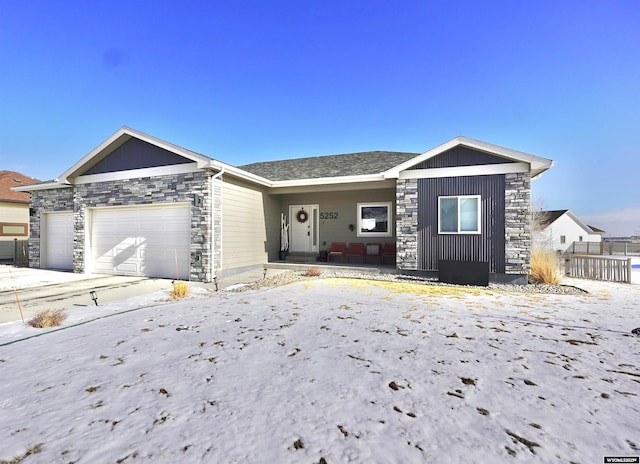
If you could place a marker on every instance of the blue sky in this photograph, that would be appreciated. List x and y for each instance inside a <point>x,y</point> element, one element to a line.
<point>262,80</point>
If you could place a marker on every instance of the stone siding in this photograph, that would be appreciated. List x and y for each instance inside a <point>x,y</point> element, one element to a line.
<point>517,225</point>
<point>45,201</point>
<point>407,224</point>
<point>132,192</point>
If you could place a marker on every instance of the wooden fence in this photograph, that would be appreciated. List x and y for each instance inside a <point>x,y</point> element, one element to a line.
<point>21,253</point>
<point>599,268</point>
<point>605,248</point>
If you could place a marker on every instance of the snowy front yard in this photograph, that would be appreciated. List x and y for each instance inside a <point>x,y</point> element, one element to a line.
<point>333,371</point>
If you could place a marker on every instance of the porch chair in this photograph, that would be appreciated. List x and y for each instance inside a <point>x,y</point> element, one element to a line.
<point>373,249</point>
<point>337,249</point>
<point>388,249</point>
<point>355,249</point>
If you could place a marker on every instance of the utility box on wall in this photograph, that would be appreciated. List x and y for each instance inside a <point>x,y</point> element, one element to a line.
<point>464,272</point>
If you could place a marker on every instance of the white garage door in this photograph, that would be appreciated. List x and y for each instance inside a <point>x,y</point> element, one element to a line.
<point>59,240</point>
<point>142,241</point>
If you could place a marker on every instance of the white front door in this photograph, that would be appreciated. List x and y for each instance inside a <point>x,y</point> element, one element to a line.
<point>304,228</point>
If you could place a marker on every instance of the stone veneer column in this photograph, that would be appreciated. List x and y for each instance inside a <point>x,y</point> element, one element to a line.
<point>43,201</point>
<point>517,225</point>
<point>407,224</point>
<point>79,213</point>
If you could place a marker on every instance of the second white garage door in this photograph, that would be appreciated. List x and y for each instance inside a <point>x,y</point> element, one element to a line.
<point>59,240</point>
<point>149,241</point>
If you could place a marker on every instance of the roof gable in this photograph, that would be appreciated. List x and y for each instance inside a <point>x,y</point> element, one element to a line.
<point>546,218</point>
<point>330,166</point>
<point>119,139</point>
<point>537,164</point>
<point>461,155</point>
<point>135,154</point>
<point>10,179</point>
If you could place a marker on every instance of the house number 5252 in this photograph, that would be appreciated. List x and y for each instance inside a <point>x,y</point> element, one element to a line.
<point>329,215</point>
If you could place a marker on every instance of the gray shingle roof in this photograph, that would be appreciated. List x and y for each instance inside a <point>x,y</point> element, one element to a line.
<point>351,164</point>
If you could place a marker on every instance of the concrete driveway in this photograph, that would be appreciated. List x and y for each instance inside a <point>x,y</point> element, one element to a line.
<point>39,289</point>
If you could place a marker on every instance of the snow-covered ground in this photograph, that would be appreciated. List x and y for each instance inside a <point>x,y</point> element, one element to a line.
<point>330,370</point>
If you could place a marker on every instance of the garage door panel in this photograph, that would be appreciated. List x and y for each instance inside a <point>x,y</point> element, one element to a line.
<point>144,241</point>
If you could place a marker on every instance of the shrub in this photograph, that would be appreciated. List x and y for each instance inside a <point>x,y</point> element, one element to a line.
<point>180,289</point>
<point>313,271</point>
<point>48,318</point>
<point>544,267</point>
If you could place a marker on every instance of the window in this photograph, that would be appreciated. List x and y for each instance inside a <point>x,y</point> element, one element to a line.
<point>459,215</point>
<point>374,220</point>
<point>13,229</point>
<point>580,238</point>
<point>563,239</point>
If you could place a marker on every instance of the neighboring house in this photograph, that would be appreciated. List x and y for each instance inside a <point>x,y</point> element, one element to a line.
<point>14,211</point>
<point>137,205</point>
<point>557,230</point>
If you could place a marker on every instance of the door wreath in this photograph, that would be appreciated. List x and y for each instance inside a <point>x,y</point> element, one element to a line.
<point>302,216</point>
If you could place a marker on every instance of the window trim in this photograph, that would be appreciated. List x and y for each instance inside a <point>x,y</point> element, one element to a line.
<point>478,230</point>
<point>24,225</point>
<point>388,205</point>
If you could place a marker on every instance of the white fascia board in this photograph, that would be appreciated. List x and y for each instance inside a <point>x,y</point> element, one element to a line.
<point>121,136</point>
<point>294,183</point>
<point>328,181</point>
<point>538,164</point>
<point>481,170</point>
<point>237,172</point>
<point>42,186</point>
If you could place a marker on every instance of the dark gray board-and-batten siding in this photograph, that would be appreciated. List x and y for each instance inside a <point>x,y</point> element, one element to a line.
<point>489,245</point>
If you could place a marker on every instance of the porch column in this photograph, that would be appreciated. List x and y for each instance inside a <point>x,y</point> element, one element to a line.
<point>407,223</point>
<point>517,223</point>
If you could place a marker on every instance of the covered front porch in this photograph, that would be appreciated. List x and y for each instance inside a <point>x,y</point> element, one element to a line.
<point>338,227</point>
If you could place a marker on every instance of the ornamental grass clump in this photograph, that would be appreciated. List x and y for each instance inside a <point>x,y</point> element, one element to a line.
<point>180,289</point>
<point>545,268</point>
<point>48,318</point>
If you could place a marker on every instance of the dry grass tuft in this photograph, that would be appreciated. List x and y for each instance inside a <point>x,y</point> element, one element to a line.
<point>180,289</point>
<point>313,271</point>
<point>35,449</point>
<point>544,267</point>
<point>48,318</point>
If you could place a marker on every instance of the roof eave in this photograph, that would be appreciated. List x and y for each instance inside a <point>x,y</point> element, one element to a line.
<point>42,186</point>
<point>329,180</point>
<point>15,202</point>
<point>237,172</point>
<point>538,168</point>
